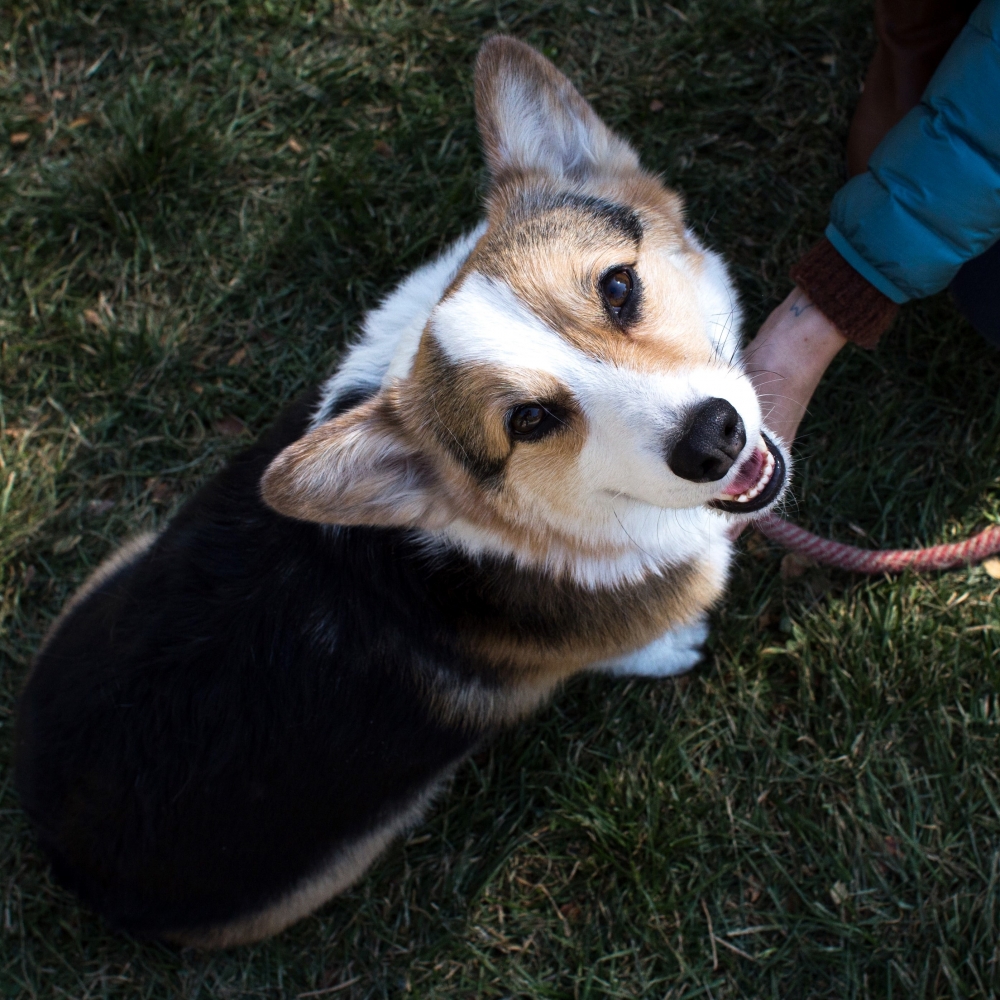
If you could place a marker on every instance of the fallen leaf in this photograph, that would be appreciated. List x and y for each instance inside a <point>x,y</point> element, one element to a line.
<point>19,138</point>
<point>768,618</point>
<point>93,317</point>
<point>992,567</point>
<point>198,389</point>
<point>829,59</point>
<point>65,544</point>
<point>382,148</point>
<point>794,565</point>
<point>159,491</point>
<point>295,147</point>
<point>571,911</point>
<point>237,358</point>
<point>229,426</point>
<point>839,893</point>
<point>656,105</point>
<point>58,95</point>
<point>757,545</point>
<point>80,122</point>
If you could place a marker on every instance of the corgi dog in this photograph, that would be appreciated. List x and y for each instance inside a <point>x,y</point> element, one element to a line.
<point>529,465</point>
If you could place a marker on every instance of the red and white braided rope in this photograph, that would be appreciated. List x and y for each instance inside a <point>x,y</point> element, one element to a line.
<point>848,557</point>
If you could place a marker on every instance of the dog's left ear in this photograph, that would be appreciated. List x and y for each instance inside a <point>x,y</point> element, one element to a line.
<point>357,469</point>
<point>531,118</point>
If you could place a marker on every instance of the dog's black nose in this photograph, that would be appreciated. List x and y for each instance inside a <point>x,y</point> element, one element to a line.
<point>713,436</point>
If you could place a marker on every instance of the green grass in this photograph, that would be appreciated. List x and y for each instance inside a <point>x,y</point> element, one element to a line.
<point>209,195</point>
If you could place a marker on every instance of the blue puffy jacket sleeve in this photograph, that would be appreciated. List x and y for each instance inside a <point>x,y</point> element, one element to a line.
<point>930,200</point>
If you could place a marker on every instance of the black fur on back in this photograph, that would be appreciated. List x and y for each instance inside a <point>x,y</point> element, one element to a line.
<point>206,727</point>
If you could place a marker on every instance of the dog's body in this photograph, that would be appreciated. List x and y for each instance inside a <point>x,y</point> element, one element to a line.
<point>523,461</point>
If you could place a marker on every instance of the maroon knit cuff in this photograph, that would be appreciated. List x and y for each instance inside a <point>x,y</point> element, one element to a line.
<point>849,301</point>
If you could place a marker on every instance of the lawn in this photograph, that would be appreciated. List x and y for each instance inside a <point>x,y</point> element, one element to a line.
<point>198,200</point>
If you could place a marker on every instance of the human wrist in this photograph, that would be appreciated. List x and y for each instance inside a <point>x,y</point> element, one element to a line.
<point>859,310</point>
<point>787,359</point>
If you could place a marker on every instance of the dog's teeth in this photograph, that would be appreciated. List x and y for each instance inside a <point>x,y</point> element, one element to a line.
<point>742,498</point>
<point>753,493</point>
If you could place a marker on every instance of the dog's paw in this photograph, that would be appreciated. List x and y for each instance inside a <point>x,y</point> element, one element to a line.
<point>674,653</point>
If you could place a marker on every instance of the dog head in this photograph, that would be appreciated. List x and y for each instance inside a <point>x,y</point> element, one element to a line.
<point>578,379</point>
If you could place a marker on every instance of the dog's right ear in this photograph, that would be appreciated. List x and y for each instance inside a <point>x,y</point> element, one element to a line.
<point>531,118</point>
<point>357,469</point>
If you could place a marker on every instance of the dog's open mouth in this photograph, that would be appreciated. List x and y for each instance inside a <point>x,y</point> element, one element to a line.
<point>757,483</point>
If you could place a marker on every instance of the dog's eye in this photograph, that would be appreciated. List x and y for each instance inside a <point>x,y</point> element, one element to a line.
<point>616,287</point>
<point>526,419</point>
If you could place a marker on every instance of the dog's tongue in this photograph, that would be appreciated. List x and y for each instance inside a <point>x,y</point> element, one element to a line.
<point>748,475</point>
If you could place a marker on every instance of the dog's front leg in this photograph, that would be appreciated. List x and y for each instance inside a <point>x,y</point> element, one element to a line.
<point>675,652</point>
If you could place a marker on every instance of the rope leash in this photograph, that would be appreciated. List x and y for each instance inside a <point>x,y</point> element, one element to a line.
<point>848,557</point>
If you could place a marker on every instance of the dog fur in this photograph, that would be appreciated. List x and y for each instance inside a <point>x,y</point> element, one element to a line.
<point>230,721</point>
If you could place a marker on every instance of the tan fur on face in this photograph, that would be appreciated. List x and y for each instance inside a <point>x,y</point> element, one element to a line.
<point>553,260</point>
<point>465,409</point>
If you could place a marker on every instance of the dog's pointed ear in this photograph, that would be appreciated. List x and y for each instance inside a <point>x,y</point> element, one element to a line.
<point>357,469</point>
<point>531,118</point>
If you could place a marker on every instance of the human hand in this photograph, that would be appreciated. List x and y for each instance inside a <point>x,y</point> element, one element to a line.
<point>787,359</point>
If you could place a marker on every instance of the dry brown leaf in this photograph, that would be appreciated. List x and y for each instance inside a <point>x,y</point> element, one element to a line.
<point>656,105</point>
<point>382,148</point>
<point>229,426</point>
<point>892,847</point>
<point>19,138</point>
<point>159,491</point>
<point>80,122</point>
<point>295,147</point>
<point>237,358</point>
<point>992,567</point>
<point>794,565</point>
<point>93,317</point>
<point>771,616</point>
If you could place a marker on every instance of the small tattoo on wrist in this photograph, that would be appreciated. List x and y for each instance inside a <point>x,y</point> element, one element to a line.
<point>798,307</point>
